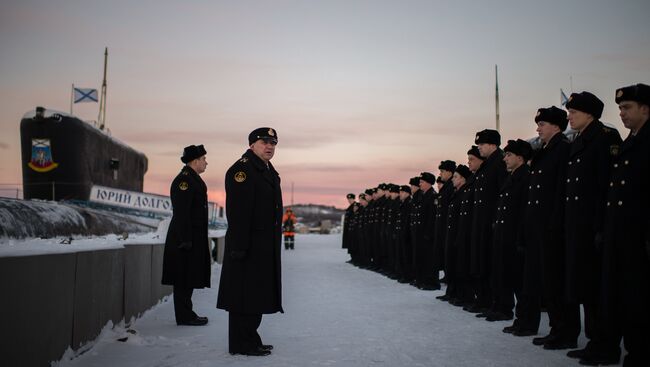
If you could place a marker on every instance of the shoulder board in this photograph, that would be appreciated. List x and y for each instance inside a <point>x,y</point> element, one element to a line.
<point>243,160</point>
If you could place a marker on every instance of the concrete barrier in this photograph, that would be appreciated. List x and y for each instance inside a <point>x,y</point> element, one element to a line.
<point>37,308</point>
<point>98,293</point>
<point>52,302</point>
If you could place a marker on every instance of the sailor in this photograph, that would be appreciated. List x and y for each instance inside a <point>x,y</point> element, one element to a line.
<point>541,255</point>
<point>426,275</point>
<point>508,231</point>
<point>458,179</point>
<point>591,157</point>
<point>445,192</point>
<point>627,235</point>
<point>489,179</point>
<point>186,260</point>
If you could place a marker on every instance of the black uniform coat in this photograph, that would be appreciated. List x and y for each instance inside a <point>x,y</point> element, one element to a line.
<point>627,236</point>
<point>424,232</point>
<point>404,246</point>
<point>464,232</point>
<point>453,216</point>
<point>489,179</point>
<point>252,285</point>
<point>189,223</point>
<point>442,205</point>
<point>508,231</point>
<point>347,236</point>
<point>414,224</point>
<point>360,235</point>
<point>544,220</point>
<point>588,173</point>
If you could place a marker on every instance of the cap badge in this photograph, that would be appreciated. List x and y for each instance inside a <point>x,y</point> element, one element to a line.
<point>619,93</point>
<point>271,132</point>
<point>183,186</point>
<point>570,99</point>
<point>538,113</point>
<point>240,176</point>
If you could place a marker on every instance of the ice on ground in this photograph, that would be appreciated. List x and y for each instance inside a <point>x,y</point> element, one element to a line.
<point>335,315</point>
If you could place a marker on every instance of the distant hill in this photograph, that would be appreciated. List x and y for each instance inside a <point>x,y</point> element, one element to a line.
<point>312,214</point>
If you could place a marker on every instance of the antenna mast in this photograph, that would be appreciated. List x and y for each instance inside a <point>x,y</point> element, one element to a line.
<point>102,101</point>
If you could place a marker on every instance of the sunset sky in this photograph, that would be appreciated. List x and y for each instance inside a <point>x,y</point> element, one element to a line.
<point>360,92</point>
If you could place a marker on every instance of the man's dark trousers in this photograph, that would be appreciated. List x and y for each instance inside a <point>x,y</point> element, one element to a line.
<point>183,304</point>
<point>242,332</point>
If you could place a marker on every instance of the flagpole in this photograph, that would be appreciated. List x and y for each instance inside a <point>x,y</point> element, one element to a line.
<point>496,77</point>
<point>71,98</point>
<point>102,101</point>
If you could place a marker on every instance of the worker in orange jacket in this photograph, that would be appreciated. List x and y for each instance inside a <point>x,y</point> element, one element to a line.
<point>288,229</point>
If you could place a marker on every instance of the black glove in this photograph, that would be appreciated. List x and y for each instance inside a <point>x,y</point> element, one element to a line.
<point>185,245</point>
<point>237,254</point>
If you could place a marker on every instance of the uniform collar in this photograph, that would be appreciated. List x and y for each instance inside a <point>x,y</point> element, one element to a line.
<point>257,161</point>
<point>590,131</point>
<point>554,140</point>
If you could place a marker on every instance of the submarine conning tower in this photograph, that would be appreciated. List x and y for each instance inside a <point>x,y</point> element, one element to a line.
<point>63,157</point>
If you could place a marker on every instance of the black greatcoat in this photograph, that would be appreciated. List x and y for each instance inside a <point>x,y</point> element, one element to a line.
<point>347,236</point>
<point>464,232</point>
<point>424,241</point>
<point>252,285</point>
<point>187,268</point>
<point>442,205</point>
<point>627,243</point>
<point>588,173</point>
<point>544,221</point>
<point>404,246</point>
<point>360,236</point>
<point>453,215</point>
<point>414,224</point>
<point>489,179</point>
<point>508,234</point>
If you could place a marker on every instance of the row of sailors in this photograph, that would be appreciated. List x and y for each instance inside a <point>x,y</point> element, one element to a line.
<point>563,226</point>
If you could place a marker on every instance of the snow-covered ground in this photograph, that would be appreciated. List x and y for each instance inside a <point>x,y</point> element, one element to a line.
<point>335,315</point>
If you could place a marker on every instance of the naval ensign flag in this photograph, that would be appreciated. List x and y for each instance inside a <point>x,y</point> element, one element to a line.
<point>82,95</point>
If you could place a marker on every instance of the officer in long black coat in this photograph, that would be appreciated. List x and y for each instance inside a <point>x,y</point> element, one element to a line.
<point>464,285</point>
<point>542,256</point>
<point>425,273</point>
<point>626,287</point>
<point>445,193</point>
<point>392,236</point>
<point>347,219</point>
<point>403,234</point>
<point>251,283</point>
<point>359,231</point>
<point>186,260</point>
<point>508,230</point>
<point>414,223</point>
<point>365,229</point>
<point>588,173</point>
<point>458,180</point>
<point>489,179</point>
